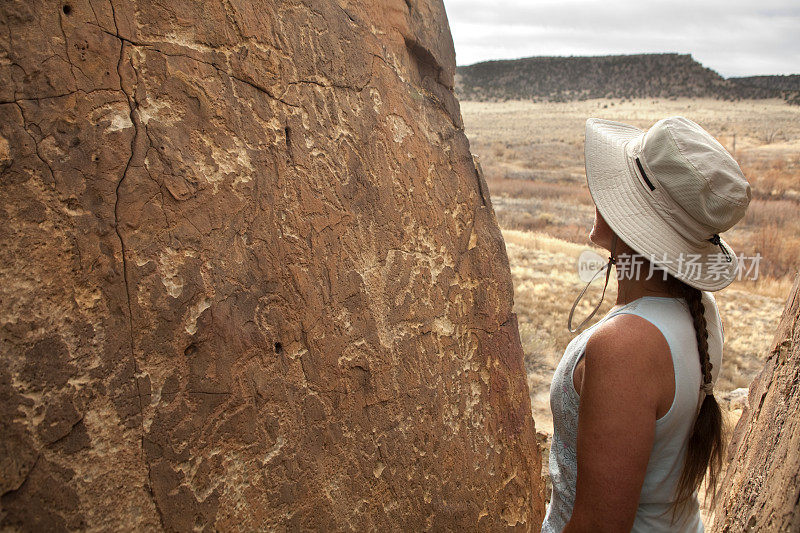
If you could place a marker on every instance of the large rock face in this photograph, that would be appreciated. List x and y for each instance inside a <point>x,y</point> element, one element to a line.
<point>761,489</point>
<point>251,276</point>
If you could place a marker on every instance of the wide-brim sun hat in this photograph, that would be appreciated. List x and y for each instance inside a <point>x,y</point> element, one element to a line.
<point>668,193</point>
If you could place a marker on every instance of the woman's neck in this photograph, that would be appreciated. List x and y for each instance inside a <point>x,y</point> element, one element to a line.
<point>631,288</point>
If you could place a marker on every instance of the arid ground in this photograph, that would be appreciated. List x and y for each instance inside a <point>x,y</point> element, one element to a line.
<point>532,157</point>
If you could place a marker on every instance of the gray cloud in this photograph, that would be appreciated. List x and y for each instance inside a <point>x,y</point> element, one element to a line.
<point>733,37</point>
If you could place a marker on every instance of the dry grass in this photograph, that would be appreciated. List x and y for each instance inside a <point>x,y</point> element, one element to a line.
<point>543,190</point>
<point>532,157</point>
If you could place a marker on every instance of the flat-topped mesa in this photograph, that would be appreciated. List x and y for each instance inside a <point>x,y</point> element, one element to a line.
<point>562,79</point>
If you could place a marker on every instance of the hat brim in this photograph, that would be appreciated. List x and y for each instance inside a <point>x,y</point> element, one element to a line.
<point>621,197</point>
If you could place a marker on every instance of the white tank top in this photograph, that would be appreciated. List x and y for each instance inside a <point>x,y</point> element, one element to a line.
<point>673,318</point>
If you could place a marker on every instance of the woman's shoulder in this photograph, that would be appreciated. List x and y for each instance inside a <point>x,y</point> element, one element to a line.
<point>626,326</point>
<point>631,352</point>
<point>624,333</point>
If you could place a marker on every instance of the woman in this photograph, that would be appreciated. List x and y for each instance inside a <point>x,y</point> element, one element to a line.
<point>635,421</point>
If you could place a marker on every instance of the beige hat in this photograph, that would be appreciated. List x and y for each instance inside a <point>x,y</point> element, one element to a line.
<point>668,193</point>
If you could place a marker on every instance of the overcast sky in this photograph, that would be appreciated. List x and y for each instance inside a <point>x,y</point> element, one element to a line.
<point>733,37</point>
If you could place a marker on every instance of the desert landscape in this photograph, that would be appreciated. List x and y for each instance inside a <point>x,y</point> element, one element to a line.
<point>532,158</point>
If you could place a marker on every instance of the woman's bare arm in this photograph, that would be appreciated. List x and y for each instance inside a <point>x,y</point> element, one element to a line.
<point>619,398</point>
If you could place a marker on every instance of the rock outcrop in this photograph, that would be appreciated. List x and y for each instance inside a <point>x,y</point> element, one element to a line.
<point>251,275</point>
<point>761,489</point>
<point>564,79</point>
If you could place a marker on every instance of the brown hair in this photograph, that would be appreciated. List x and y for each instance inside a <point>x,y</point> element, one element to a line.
<point>706,446</point>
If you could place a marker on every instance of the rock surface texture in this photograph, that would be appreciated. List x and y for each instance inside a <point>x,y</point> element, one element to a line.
<point>761,489</point>
<point>251,275</point>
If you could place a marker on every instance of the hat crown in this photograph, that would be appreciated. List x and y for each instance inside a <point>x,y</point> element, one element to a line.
<point>696,172</point>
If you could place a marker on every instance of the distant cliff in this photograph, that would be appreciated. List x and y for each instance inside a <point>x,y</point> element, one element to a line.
<point>781,83</point>
<point>580,78</point>
<point>788,86</point>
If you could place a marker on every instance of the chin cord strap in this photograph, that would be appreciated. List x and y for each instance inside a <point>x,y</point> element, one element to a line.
<point>715,240</point>
<point>607,267</point>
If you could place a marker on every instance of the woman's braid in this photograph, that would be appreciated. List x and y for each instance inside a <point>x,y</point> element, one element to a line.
<point>695,300</point>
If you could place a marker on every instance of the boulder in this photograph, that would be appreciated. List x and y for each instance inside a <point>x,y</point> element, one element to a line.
<point>761,490</point>
<point>251,275</point>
